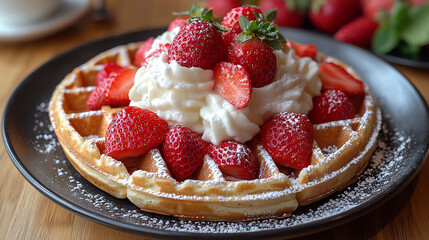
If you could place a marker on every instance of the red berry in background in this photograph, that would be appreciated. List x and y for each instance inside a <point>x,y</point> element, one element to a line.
<point>331,105</point>
<point>222,7</point>
<point>329,15</point>
<point>373,8</point>
<point>183,151</point>
<point>358,32</point>
<point>418,2</point>
<point>133,132</point>
<point>287,16</point>
<point>257,58</point>
<point>235,159</point>
<point>199,44</point>
<point>288,138</point>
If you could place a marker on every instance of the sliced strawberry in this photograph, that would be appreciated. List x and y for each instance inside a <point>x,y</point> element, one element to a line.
<point>113,90</point>
<point>119,87</point>
<point>183,151</point>
<point>133,132</point>
<point>178,22</point>
<point>303,50</point>
<point>334,76</point>
<point>156,53</point>
<point>235,159</point>
<point>108,68</point>
<point>331,105</point>
<point>232,83</point>
<point>288,138</point>
<point>141,52</point>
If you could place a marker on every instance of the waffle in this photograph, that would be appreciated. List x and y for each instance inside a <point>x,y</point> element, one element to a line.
<point>341,151</point>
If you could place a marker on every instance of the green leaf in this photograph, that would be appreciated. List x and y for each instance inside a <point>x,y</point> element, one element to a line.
<point>244,23</point>
<point>385,39</point>
<point>416,31</point>
<point>243,38</point>
<point>271,15</point>
<point>411,51</point>
<point>275,44</point>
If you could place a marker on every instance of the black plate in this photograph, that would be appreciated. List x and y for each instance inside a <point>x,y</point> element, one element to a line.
<point>398,58</point>
<point>33,148</point>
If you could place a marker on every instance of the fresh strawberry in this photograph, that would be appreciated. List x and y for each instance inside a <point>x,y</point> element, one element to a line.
<point>288,138</point>
<point>233,83</point>
<point>183,151</point>
<point>336,77</point>
<point>373,9</point>
<point>418,2</point>
<point>331,105</point>
<point>235,159</point>
<point>358,32</point>
<point>289,13</point>
<point>108,68</point>
<point>133,132</point>
<point>257,58</point>
<point>156,53</point>
<point>141,52</point>
<point>231,24</point>
<point>222,7</point>
<point>303,50</point>
<point>178,22</point>
<point>329,15</point>
<point>199,44</point>
<point>113,91</point>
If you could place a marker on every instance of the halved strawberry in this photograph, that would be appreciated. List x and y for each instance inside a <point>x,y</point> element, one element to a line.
<point>331,105</point>
<point>133,132</point>
<point>303,50</point>
<point>141,52</point>
<point>235,159</point>
<point>232,83</point>
<point>119,87</point>
<point>288,138</point>
<point>108,68</point>
<point>113,90</point>
<point>334,76</point>
<point>183,151</point>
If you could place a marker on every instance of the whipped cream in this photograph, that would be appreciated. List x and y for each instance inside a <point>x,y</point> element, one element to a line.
<point>185,95</point>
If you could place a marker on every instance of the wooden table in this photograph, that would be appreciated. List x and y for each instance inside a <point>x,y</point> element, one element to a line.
<point>27,214</point>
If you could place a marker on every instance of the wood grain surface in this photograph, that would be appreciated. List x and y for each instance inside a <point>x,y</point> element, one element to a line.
<point>27,214</point>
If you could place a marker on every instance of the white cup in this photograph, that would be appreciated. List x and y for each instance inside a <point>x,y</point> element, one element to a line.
<point>21,12</point>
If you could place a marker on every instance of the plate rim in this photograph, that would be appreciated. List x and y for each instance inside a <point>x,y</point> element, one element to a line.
<point>300,230</point>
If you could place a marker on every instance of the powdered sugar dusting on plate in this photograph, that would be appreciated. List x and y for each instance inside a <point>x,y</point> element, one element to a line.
<point>386,165</point>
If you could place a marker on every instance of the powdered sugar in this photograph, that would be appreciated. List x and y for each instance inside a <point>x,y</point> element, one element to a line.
<point>386,168</point>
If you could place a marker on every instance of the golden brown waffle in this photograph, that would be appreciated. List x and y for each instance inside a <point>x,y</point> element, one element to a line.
<point>341,151</point>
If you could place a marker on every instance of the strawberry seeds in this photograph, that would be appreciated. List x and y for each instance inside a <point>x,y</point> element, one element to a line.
<point>240,52</point>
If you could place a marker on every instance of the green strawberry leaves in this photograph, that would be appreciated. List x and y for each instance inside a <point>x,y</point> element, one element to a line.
<point>405,29</point>
<point>200,13</point>
<point>263,28</point>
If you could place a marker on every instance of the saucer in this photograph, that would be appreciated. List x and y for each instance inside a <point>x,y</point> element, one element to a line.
<point>67,13</point>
